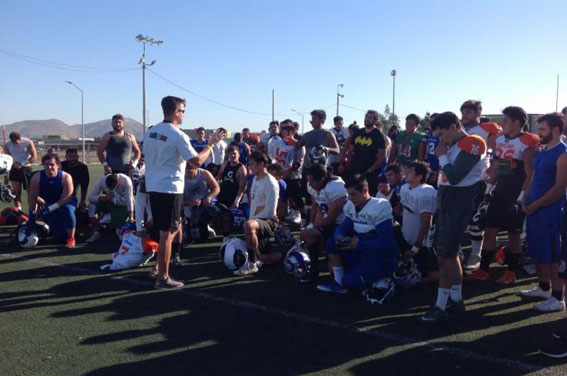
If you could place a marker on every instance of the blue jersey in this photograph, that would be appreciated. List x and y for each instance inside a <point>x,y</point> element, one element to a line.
<point>50,189</point>
<point>431,144</point>
<point>545,170</point>
<point>198,145</point>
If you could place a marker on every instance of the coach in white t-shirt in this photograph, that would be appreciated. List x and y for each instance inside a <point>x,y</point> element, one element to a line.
<point>263,221</point>
<point>166,150</point>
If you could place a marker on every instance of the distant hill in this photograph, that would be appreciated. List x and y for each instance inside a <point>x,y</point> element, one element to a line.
<point>51,127</point>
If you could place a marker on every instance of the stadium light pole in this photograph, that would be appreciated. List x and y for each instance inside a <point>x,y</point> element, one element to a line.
<point>339,95</point>
<point>145,40</point>
<point>300,114</point>
<point>393,74</point>
<point>82,118</point>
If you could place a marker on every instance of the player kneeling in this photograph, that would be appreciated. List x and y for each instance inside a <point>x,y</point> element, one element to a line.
<point>54,188</point>
<point>363,251</point>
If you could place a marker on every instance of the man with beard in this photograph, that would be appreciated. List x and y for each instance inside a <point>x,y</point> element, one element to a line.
<point>122,150</point>
<point>543,205</point>
<point>79,172</point>
<point>368,151</point>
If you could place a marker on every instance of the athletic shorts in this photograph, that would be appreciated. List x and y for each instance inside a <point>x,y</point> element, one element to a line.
<point>499,216</point>
<point>543,234</point>
<point>478,196</point>
<point>450,226</point>
<point>563,261</point>
<point>22,175</point>
<point>267,227</point>
<point>167,209</point>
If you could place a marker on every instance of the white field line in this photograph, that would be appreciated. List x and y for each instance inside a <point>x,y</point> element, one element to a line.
<point>411,342</point>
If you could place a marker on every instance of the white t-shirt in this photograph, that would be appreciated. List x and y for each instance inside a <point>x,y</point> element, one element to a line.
<point>374,212</point>
<point>272,143</point>
<point>217,154</point>
<point>123,193</point>
<point>421,199</point>
<point>333,190</point>
<point>166,150</point>
<point>264,192</point>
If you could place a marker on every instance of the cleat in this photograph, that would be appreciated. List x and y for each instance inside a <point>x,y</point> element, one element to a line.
<point>472,263</point>
<point>249,268</point>
<point>557,349</point>
<point>168,284</point>
<point>94,237</point>
<point>536,292</point>
<point>507,278</point>
<point>550,305</point>
<point>70,243</point>
<point>333,286</point>
<point>478,276</point>
<point>435,314</point>
<point>500,256</point>
<point>455,307</point>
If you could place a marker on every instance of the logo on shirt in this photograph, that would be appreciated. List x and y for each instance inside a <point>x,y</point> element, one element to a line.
<point>157,136</point>
<point>363,141</point>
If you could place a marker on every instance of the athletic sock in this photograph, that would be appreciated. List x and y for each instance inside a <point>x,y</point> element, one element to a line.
<point>476,247</point>
<point>338,272</point>
<point>442,297</point>
<point>251,255</point>
<point>486,259</point>
<point>176,248</point>
<point>513,261</point>
<point>557,294</point>
<point>456,293</point>
<point>545,286</point>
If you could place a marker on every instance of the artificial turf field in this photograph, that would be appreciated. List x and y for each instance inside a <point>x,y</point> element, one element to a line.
<point>60,315</point>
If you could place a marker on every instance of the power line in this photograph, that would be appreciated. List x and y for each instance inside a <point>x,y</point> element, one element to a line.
<point>219,103</point>
<point>63,66</point>
<point>352,108</point>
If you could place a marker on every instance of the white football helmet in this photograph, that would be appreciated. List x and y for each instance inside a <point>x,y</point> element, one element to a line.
<point>27,238</point>
<point>407,275</point>
<point>297,261</point>
<point>381,292</point>
<point>234,254</point>
<point>7,193</point>
<point>284,236</point>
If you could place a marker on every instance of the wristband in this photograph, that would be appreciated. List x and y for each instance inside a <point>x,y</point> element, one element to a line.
<point>414,249</point>
<point>210,148</point>
<point>489,188</point>
<point>105,164</point>
<point>521,197</point>
<point>53,207</point>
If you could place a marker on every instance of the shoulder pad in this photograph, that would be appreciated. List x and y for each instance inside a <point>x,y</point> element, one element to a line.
<point>531,140</point>
<point>472,144</point>
<point>491,127</point>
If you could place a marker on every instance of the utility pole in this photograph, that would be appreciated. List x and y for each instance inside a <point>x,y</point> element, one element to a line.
<point>82,118</point>
<point>339,95</point>
<point>273,105</point>
<point>150,41</point>
<point>393,74</point>
<point>557,96</point>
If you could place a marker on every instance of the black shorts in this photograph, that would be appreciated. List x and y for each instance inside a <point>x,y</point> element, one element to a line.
<point>167,210</point>
<point>499,215</point>
<point>267,229</point>
<point>22,175</point>
<point>450,226</point>
<point>478,196</point>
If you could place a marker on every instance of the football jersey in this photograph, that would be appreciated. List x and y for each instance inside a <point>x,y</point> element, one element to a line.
<point>432,141</point>
<point>484,130</point>
<point>408,145</point>
<point>341,136</point>
<point>333,190</point>
<point>509,152</point>
<point>374,212</point>
<point>284,151</point>
<point>471,144</point>
<point>416,201</point>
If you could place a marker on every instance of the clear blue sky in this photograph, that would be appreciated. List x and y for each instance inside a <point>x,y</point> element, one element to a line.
<point>236,52</point>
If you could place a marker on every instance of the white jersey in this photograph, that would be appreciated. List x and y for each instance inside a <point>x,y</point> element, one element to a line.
<point>166,150</point>
<point>123,193</point>
<point>416,201</point>
<point>471,144</point>
<point>485,130</point>
<point>341,136</point>
<point>217,154</point>
<point>5,163</point>
<point>135,251</point>
<point>334,189</point>
<point>374,212</point>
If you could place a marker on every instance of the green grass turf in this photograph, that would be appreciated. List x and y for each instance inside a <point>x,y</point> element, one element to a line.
<point>74,320</point>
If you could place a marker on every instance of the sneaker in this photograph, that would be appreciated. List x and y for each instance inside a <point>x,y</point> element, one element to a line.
<point>70,244</point>
<point>536,292</point>
<point>168,284</point>
<point>176,259</point>
<point>507,278</point>
<point>472,263</point>
<point>154,272</point>
<point>435,314</point>
<point>550,305</point>
<point>500,256</point>
<point>557,349</point>
<point>94,237</point>
<point>478,275</point>
<point>249,268</point>
<point>212,232</point>
<point>530,269</point>
<point>455,307</point>
<point>333,286</point>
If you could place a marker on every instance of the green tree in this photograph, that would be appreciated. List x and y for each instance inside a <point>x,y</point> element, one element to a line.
<point>425,121</point>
